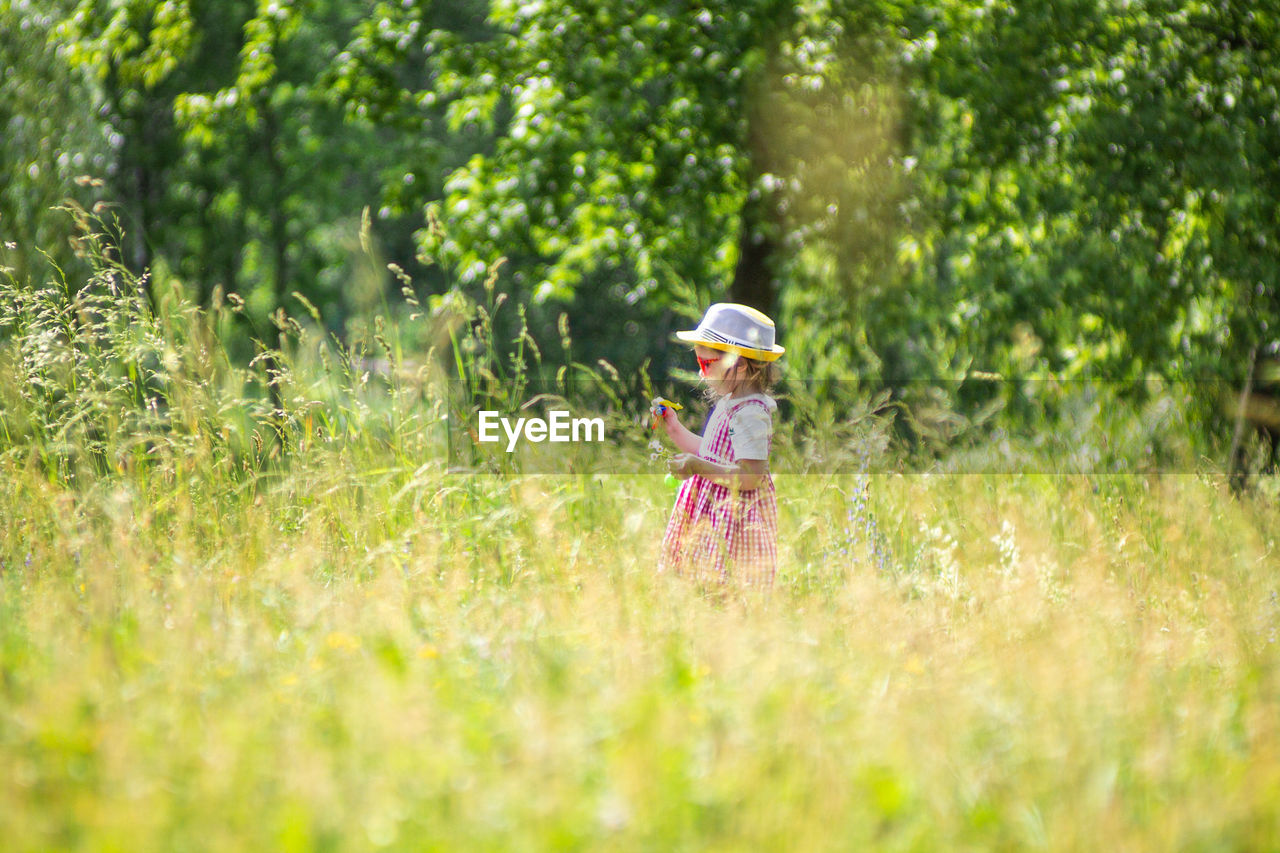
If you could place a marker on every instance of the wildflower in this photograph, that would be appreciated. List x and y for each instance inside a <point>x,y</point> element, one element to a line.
<point>1007,542</point>
<point>861,529</point>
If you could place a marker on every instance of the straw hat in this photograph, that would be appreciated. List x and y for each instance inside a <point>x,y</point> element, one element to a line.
<point>730,327</point>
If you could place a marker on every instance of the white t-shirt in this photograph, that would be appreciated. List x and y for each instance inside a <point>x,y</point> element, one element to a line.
<point>750,427</point>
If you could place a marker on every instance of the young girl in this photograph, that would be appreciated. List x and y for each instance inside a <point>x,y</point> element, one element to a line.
<point>724,524</point>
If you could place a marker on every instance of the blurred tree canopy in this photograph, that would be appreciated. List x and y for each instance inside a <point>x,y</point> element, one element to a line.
<point>947,191</point>
<point>49,135</point>
<point>1110,178</point>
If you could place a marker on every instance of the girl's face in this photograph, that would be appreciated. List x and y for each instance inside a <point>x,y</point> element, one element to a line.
<point>718,368</point>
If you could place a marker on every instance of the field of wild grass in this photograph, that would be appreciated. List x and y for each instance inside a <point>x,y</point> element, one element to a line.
<point>253,608</point>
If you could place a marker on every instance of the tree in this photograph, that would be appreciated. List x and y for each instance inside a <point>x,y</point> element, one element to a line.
<point>237,164</point>
<point>640,161</point>
<point>49,138</point>
<point>1128,164</point>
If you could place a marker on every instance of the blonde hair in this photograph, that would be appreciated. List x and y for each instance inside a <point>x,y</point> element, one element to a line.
<point>757,377</point>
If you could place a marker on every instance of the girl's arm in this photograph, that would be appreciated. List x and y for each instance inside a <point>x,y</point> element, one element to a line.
<point>747,474</point>
<point>684,439</point>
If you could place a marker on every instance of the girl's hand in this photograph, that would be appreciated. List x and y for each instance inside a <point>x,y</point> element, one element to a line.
<point>683,465</point>
<point>663,410</point>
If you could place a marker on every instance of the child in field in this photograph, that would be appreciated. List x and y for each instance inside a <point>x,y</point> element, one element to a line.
<point>725,520</point>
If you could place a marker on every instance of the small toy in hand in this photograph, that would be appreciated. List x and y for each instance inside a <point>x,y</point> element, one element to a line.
<point>659,406</point>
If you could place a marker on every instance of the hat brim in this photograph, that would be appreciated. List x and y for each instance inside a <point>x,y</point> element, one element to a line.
<point>758,354</point>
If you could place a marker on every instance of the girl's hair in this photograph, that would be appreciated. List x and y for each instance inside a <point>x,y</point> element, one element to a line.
<point>758,377</point>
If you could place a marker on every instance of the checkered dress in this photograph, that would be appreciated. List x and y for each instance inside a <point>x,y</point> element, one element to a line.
<point>712,536</point>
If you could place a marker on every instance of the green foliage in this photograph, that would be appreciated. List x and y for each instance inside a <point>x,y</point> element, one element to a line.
<point>1115,167</point>
<point>927,197</point>
<point>49,138</point>
<point>618,143</point>
<point>95,380</point>
<point>224,119</point>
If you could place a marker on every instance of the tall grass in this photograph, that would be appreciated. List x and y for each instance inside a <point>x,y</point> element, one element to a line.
<point>233,619</point>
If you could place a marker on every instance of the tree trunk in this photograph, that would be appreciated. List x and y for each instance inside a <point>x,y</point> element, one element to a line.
<point>1238,474</point>
<point>753,279</point>
<point>759,221</point>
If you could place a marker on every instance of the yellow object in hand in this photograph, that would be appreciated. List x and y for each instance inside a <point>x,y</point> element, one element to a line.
<point>658,405</point>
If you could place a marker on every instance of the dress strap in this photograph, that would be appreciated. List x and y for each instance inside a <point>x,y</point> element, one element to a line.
<point>755,400</point>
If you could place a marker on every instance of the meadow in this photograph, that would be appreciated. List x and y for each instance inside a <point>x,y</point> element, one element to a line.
<point>276,619</point>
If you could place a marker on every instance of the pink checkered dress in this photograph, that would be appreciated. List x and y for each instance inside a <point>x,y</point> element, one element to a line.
<point>711,536</point>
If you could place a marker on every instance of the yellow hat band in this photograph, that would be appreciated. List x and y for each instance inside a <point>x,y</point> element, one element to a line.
<point>722,346</point>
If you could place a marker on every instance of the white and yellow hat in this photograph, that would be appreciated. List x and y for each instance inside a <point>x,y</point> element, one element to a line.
<point>730,327</point>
